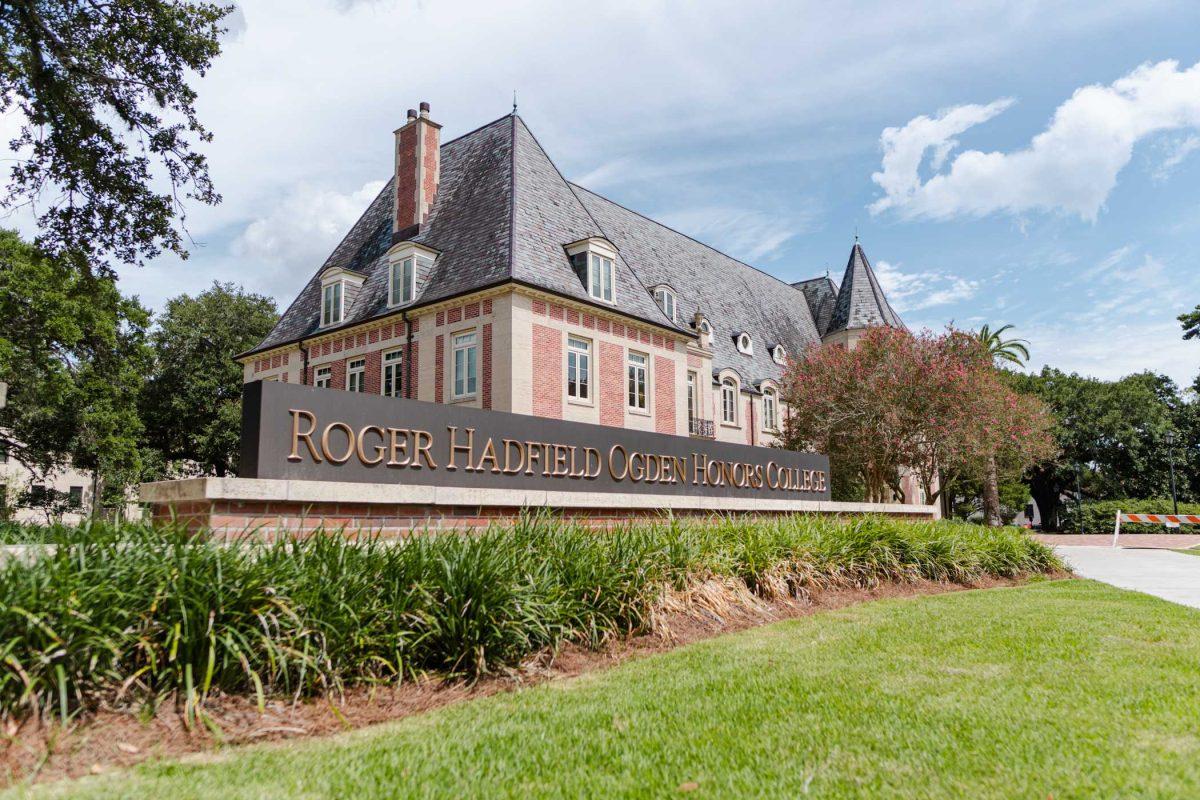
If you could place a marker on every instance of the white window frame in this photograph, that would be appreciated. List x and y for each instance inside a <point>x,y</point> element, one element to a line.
<point>779,355</point>
<point>693,396</point>
<point>664,296</point>
<point>579,361</point>
<point>328,315</point>
<point>466,342</point>
<point>602,284</point>
<point>745,344</point>
<point>402,273</point>
<point>770,415</point>
<point>705,333</point>
<point>632,370</point>
<point>323,377</point>
<point>391,369</point>
<point>729,402</point>
<point>356,375</point>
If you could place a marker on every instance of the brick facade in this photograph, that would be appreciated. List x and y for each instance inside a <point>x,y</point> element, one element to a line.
<point>664,395</point>
<point>612,384</point>
<point>547,372</point>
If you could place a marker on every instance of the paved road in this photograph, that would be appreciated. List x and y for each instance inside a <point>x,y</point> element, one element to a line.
<point>1171,576</point>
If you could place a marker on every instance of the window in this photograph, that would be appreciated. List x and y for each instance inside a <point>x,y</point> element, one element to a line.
<point>402,285</point>
<point>637,382</point>
<point>331,304</point>
<point>779,354</point>
<point>770,411</point>
<point>600,277</point>
<point>356,375</point>
<point>666,301</point>
<point>744,344</point>
<point>3,455</point>
<point>691,395</point>
<point>705,333</point>
<point>323,377</point>
<point>729,401</point>
<point>465,361</point>
<point>393,373</point>
<point>579,368</point>
<point>37,493</point>
<point>75,497</point>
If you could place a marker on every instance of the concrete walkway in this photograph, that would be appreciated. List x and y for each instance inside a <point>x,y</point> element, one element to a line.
<point>1171,576</point>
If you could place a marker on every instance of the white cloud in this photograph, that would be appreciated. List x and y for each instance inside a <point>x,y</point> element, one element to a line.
<point>752,236</point>
<point>916,291</point>
<point>304,226</point>
<point>1124,345</point>
<point>1072,166</point>
<point>1179,150</point>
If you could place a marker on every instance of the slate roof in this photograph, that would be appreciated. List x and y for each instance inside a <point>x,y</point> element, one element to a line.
<point>821,294</point>
<point>861,302</point>
<point>504,213</point>
<point>731,295</point>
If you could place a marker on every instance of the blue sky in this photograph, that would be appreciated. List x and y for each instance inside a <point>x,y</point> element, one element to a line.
<point>1026,163</point>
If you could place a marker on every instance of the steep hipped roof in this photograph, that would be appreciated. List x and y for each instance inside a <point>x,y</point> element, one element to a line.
<point>732,296</point>
<point>821,294</point>
<point>503,212</point>
<point>860,302</point>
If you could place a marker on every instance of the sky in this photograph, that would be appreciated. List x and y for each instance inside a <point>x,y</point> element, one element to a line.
<point>1024,163</point>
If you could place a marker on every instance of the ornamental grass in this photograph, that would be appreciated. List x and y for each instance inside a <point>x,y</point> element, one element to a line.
<point>135,616</point>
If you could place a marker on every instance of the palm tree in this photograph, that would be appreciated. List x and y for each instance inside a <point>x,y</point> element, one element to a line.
<point>1012,351</point>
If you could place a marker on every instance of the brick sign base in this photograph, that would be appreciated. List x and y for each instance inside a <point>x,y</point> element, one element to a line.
<point>231,507</point>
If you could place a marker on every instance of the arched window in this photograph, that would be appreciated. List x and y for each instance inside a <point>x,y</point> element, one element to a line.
<point>770,410</point>
<point>779,355</point>
<point>666,301</point>
<point>744,344</point>
<point>729,393</point>
<point>705,333</point>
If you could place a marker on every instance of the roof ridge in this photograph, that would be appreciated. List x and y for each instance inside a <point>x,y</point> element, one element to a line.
<point>512,195</point>
<point>684,235</point>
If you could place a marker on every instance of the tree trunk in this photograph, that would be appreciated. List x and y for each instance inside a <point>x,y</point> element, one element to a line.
<point>1046,495</point>
<point>991,495</point>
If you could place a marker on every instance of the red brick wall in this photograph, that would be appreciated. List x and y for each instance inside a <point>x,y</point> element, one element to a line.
<point>406,178</point>
<point>664,395</point>
<point>438,368</point>
<point>486,377</point>
<point>432,155</point>
<point>411,371</point>
<point>338,374</point>
<point>547,372</point>
<point>612,384</point>
<point>372,376</point>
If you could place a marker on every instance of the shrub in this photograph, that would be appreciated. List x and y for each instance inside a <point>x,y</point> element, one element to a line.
<point>1099,515</point>
<point>130,615</point>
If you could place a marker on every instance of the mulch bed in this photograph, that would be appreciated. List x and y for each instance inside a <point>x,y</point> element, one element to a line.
<point>112,739</point>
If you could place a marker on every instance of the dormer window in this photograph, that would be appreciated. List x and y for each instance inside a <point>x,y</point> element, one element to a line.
<point>744,345</point>
<point>705,333</point>
<point>666,301</point>
<point>779,355</point>
<point>331,304</point>
<point>339,288</point>
<point>594,261</point>
<point>406,261</point>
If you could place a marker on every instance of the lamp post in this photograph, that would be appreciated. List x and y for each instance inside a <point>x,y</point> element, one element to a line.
<point>1170,439</point>
<point>1079,496</point>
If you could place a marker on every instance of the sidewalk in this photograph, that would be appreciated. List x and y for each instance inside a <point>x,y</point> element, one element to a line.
<point>1171,576</point>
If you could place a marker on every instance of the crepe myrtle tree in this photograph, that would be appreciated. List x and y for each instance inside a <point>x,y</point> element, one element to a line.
<point>108,126</point>
<point>929,404</point>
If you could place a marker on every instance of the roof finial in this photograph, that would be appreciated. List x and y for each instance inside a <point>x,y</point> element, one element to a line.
<point>514,102</point>
<point>856,234</point>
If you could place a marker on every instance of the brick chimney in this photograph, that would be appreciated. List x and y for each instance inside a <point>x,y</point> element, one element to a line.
<point>418,168</point>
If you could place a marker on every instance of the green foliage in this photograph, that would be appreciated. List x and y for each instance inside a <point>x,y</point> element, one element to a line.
<point>192,403</point>
<point>1099,516</point>
<point>107,113</point>
<point>1012,351</point>
<point>1116,431</point>
<point>1061,689</point>
<point>134,614</point>
<point>1190,322</point>
<point>73,352</point>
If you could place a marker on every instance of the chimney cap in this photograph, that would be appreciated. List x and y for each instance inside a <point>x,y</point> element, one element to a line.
<point>424,107</point>
<point>412,113</point>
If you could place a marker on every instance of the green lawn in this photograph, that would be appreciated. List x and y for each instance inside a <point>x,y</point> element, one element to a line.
<point>1063,689</point>
<point>1195,551</point>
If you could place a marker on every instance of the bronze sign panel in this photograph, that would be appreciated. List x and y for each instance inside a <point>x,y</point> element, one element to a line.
<point>303,433</point>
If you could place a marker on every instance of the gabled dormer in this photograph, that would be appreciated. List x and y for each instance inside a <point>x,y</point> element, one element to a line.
<point>594,260</point>
<point>339,290</point>
<point>409,266</point>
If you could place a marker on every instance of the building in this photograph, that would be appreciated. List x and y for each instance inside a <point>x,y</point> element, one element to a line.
<point>63,494</point>
<point>480,275</point>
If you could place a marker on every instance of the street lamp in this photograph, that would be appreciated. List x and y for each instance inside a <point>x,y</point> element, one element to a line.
<point>1170,439</point>
<point>1079,496</point>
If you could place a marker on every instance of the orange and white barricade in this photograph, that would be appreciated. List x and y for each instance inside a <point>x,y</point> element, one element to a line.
<point>1170,520</point>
